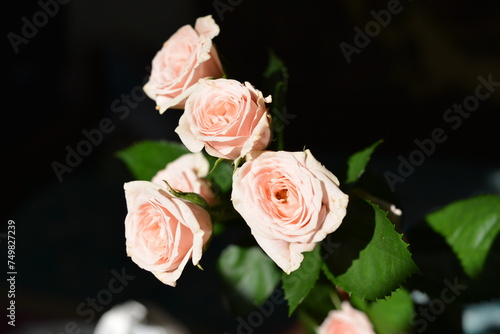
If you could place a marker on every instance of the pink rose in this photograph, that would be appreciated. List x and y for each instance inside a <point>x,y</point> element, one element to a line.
<point>187,56</point>
<point>163,232</point>
<point>348,320</point>
<point>227,118</point>
<point>290,201</point>
<point>186,174</point>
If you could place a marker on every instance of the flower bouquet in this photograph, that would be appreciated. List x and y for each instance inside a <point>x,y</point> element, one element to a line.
<point>328,243</point>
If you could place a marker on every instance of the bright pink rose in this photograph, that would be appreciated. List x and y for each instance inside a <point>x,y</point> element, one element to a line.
<point>290,201</point>
<point>163,232</point>
<point>227,118</point>
<point>187,56</point>
<point>187,174</point>
<point>348,320</point>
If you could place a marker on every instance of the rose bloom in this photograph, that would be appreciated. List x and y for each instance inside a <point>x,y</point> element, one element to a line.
<point>348,320</point>
<point>227,118</point>
<point>290,201</point>
<point>187,56</point>
<point>187,174</point>
<point>163,232</point>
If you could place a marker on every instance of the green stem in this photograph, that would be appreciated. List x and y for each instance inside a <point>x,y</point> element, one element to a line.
<point>334,297</point>
<point>278,115</point>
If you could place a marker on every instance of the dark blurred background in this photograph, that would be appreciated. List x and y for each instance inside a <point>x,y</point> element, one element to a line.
<point>85,57</point>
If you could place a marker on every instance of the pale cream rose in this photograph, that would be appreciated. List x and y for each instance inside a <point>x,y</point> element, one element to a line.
<point>163,232</point>
<point>226,117</point>
<point>290,201</point>
<point>347,320</point>
<point>187,56</point>
<point>187,174</point>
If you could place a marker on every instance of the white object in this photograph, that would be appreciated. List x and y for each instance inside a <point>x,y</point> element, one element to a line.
<point>133,317</point>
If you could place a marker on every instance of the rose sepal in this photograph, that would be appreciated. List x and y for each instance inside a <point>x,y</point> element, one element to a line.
<point>188,196</point>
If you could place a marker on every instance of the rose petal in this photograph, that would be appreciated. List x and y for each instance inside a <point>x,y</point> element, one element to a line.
<point>346,320</point>
<point>162,231</point>
<point>288,256</point>
<point>290,202</point>
<point>226,117</point>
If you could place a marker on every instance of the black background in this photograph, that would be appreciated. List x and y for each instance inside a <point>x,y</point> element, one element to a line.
<point>64,80</point>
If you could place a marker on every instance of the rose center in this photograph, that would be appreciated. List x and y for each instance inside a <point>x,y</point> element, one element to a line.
<point>282,195</point>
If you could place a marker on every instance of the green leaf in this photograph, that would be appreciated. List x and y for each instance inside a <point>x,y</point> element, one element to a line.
<point>390,316</point>
<point>146,158</point>
<point>249,275</point>
<point>469,226</point>
<point>356,164</point>
<point>372,260</point>
<point>299,283</point>
<point>221,174</point>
